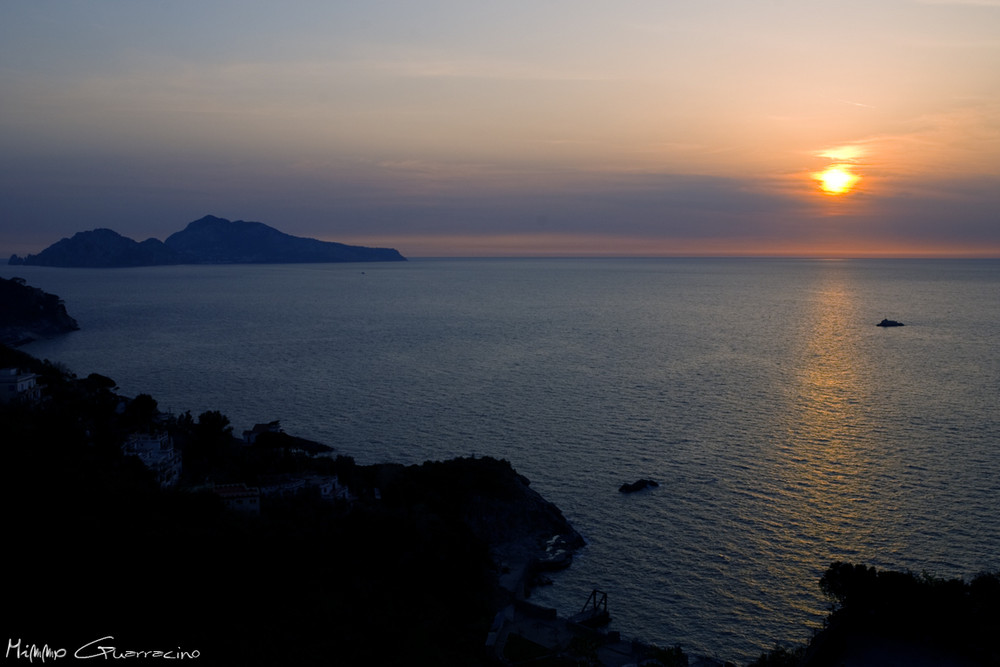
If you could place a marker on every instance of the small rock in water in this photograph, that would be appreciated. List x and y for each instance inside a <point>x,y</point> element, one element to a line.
<point>638,485</point>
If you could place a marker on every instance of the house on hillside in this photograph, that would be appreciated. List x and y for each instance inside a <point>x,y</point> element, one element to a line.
<point>239,497</point>
<point>156,451</point>
<point>18,385</point>
<point>327,487</point>
<point>281,486</point>
<point>330,487</point>
<point>250,437</point>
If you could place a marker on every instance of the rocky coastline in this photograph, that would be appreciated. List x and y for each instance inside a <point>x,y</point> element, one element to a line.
<point>426,550</point>
<point>28,313</point>
<point>441,557</point>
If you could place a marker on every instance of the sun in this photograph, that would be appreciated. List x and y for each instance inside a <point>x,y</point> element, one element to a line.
<point>837,180</point>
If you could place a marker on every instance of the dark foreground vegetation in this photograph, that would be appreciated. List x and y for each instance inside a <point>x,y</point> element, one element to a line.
<point>28,313</point>
<point>404,572</point>
<point>879,617</point>
<point>95,548</point>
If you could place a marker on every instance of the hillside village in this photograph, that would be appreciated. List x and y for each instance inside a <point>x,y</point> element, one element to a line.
<point>154,446</point>
<point>260,549</point>
<point>280,531</point>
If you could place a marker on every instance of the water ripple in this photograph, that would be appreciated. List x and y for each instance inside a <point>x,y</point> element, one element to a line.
<point>786,430</point>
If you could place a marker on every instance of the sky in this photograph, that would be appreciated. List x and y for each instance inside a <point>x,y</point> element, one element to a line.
<point>542,128</point>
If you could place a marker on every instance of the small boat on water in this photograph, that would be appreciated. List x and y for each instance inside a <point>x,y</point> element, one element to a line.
<point>889,323</point>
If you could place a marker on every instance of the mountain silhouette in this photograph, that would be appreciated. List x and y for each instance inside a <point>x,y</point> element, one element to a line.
<point>210,240</point>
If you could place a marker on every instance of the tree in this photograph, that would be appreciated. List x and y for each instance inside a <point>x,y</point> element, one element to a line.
<point>141,412</point>
<point>843,581</point>
<point>211,437</point>
<point>104,382</point>
<point>213,425</point>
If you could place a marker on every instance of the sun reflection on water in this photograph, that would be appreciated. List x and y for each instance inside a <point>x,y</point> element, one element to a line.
<point>820,485</point>
<point>826,465</point>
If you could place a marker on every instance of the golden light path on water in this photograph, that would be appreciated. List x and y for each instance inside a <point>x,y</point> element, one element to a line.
<point>785,430</point>
<point>825,464</point>
<point>825,502</point>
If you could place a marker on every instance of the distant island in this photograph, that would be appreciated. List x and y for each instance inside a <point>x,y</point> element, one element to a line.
<point>210,240</point>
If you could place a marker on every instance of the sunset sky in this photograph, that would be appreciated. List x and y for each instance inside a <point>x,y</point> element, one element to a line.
<point>551,127</point>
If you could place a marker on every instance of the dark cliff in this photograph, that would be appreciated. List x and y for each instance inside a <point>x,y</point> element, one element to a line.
<point>210,240</point>
<point>28,313</point>
<point>402,576</point>
<point>485,494</point>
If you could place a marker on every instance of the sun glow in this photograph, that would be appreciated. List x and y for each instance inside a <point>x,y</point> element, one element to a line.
<point>837,180</point>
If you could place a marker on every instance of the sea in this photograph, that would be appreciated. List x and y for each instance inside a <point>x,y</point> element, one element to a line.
<point>785,430</point>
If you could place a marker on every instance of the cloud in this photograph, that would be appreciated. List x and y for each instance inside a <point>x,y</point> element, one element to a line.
<point>667,126</point>
<point>424,208</point>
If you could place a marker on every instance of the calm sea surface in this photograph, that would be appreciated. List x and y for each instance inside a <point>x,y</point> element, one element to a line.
<point>785,429</point>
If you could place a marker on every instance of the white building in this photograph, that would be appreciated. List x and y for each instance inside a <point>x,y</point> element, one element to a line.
<point>157,453</point>
<point>284,486</point>
<point>239,497</point>
<point>330,488</point>
<point>17,385</point>
<point>281,486</point>
<point>250,437</point>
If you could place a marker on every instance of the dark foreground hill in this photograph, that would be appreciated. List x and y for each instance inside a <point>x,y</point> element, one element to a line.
<point>27,313</point>
<point>407,570</point>
<point>210,240</point>
<point>399,573</point>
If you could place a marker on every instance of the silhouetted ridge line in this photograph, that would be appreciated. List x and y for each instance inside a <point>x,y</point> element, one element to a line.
<point>209,240</point>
